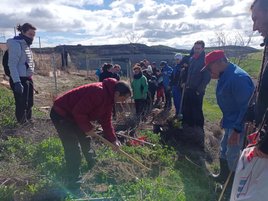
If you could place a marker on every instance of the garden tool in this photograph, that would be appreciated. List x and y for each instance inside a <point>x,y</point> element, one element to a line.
<point>120,151</point>
<point>180,115</point>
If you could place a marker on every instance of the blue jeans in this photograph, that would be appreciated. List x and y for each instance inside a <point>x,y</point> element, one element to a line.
<point>176,92</point>
<point>228,152</point>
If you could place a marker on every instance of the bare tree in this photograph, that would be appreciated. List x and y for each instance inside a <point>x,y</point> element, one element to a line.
<point>223,39</point>
<point>133,37</point>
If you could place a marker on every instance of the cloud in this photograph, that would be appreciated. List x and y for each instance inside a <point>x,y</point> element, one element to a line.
<point>171,12</point>
<point>41,13</point>
<point>78,3</point>
<point>153,21</point>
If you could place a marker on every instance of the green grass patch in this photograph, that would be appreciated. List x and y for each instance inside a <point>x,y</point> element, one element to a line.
<point>251,63</point>
<point>211,109</point>
<point>7,108</point>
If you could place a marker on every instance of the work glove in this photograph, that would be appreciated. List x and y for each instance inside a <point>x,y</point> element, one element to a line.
<point>18,88</point>
<point>117,144</point>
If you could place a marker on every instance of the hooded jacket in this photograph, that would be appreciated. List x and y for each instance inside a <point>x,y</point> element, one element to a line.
<point>20,59</point>
<point>91,102</point>
<point>166,72</point>
<point>139,86</point>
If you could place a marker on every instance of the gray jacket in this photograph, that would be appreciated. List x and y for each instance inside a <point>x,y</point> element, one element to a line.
<point>198,80</point>
<point>19,55</point>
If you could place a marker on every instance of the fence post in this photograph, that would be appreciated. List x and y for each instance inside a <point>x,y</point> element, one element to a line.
<point>87,65</point>
<point>54,74</point>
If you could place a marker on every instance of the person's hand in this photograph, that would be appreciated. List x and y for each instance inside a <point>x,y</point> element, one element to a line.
<point>18,88</point>
<point>197,93</point>
<point>234,138</point>
<point>90,133</point>
<point>258,153</point>
<point>116,144</point>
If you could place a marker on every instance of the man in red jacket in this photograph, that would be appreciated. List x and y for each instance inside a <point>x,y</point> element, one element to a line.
<point>71,115</point>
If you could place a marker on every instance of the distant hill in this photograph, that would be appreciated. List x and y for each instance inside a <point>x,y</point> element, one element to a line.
<point>126,55</point>
<point>234,51</point>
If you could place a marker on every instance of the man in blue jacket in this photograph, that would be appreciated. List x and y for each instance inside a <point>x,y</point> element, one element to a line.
<point>233,92</point>
<point>166,73</point>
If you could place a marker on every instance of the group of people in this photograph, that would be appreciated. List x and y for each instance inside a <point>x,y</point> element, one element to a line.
<point>108,71</point>
<point>185,77</point>
<point>73,111</point>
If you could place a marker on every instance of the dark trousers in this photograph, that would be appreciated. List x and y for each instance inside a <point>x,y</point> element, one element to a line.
<point>23,102</point>
<point>176,92</point>
<point>192,108</point>
<point>72,138</point>
<point>148,103</point>
<point>140,105</point>
<point>168,102</point>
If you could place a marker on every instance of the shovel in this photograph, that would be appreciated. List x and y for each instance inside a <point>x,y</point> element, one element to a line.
<point>114,147</point>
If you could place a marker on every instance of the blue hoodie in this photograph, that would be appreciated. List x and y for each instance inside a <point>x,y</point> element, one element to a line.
<point>234,89</point>
<point>166,72</point>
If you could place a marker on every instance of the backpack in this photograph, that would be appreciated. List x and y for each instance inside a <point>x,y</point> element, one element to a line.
<point>5,63</point>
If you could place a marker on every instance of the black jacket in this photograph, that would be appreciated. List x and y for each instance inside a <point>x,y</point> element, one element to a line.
<point>262,104</point>
<point>106,74</point>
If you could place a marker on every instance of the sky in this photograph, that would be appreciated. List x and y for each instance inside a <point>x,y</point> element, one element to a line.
<point>174,23</point>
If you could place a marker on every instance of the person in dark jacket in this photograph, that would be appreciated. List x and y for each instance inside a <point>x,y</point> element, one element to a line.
<point>185,62</point>
<point>106,72</point>
<point>71,115</point>
<point>21,66</point>
<point>195,88</point>
<point>233,92</point>
<point>116,71</point>
<point>166,73</point>
<point>160,93</point>
<point>175,83</point>
<point>259,10</point>
<point>154,68</point>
